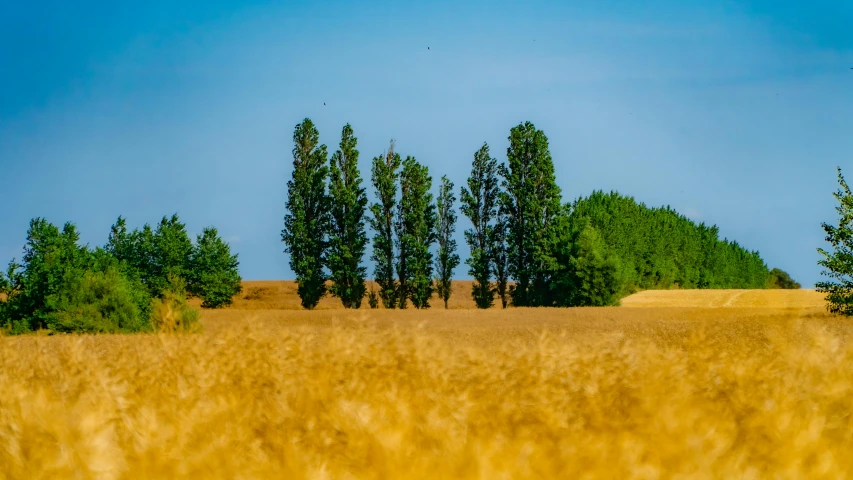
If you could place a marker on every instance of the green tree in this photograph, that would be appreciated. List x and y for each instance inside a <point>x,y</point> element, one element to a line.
<point>172,248</point>
<point>780,279</point>
<point>52,259</point>
<point>592,273</point>
<point>384,175</point>
<point>347,237</point>
<point>306,221</point>
<point>479,204</point>
<point>838,263</point>
<point>499,256</point>
<point>214,274</point>
<point>531,199</point>
<point>62,286</point>
<point>416,221</point>
<point>447,259</point>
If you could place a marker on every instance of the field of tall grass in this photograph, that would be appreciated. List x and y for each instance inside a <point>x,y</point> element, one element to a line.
<point>657,392</point>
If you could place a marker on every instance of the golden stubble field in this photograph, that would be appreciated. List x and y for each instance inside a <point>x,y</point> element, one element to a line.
<point>687,384</point>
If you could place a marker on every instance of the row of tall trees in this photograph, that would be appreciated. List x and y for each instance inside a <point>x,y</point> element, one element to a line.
<point>63,286</point>
<point>325,225</point>
<point>526,246</point>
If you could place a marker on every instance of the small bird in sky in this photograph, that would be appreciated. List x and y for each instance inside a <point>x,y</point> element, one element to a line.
<point>427,48</point>
<point>324,104</point>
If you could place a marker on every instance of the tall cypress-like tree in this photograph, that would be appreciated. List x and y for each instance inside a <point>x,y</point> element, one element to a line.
<point>307,218</point>
<point>347,237</point>
<point>384,173</point>
<point>838,264</point>
<point>499,256</point>
<point>416,220</point>
<point>447,259</point>
<point>532,201</point>
<point>479,204</point>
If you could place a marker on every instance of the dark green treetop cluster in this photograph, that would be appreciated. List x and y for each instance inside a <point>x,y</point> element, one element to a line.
<point>62,286</point>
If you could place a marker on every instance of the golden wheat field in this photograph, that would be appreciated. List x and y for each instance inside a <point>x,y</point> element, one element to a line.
<point>675,384</point>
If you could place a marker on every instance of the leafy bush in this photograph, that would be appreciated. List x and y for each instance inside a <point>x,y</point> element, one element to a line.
<point>98,302</point>
<point>372,298</point>
<point>64,287</point>
<point>172,313</point>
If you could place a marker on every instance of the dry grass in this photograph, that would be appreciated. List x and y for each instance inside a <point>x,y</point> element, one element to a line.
<point>281,295</point>
<point>739,392</point>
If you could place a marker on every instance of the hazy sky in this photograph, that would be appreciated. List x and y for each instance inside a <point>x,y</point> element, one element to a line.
<point>733,113</point>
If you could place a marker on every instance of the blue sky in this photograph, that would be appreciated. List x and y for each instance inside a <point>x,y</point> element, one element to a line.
<point>734,113</point>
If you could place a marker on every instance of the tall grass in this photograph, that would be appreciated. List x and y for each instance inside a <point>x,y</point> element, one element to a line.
<point>359,401</point>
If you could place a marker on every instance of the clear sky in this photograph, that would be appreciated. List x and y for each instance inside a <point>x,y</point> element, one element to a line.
<point>733,113</point>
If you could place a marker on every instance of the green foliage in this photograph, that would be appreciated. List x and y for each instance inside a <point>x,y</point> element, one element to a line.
<point>499,256</point>
<point>838,263</point>
<point>479,203</point>
<point>153,257</point>
<point>172,249</point>
<point>63,287</point>
<point>52,259</point>
<point>591,276</point>
<point>213,271</point>
<point>531,200</point>
<point>171,313</point>
<point>447,259</point>
<point>372,298</point>
<point>149,255</point>
<point>780,279</point>
<point>99,302</point>
<point>307,218</point>
<point>659,248</point>
<point>384,174</point>
<point>415,227</point>
<point>347,235</point>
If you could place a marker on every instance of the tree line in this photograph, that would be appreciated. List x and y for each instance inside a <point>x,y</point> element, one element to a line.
<point>138,281</point>
<point>527,247</point>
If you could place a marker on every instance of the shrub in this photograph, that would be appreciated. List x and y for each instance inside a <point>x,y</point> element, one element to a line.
<point>171,313</point>
<point>98,302</point>
<point>64,287</point>
<point>372,298</point>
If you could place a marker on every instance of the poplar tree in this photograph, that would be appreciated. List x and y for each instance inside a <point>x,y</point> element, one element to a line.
<point>838,264</point>
<point>384,173</point>
<point>479,204</point>
<point>347,236</point>
<point>499,256</point>
<point>306,221</point>
<point>532,201</point>
<point>447,259</point>
<point>416,221</point>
